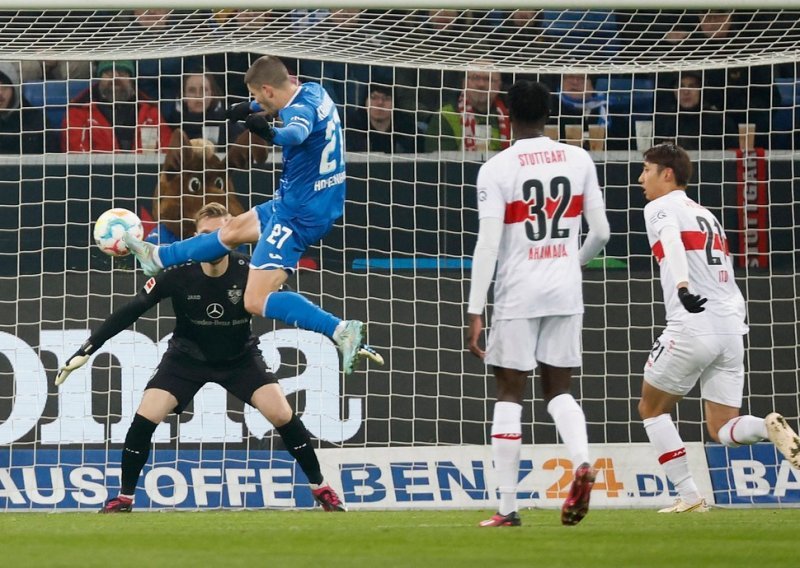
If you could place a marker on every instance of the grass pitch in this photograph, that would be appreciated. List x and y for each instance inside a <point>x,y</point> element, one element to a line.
<point>606,538</point>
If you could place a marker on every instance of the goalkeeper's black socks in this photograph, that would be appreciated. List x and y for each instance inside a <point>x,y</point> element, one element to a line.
<point>135,452</point>
<point>298,443</point>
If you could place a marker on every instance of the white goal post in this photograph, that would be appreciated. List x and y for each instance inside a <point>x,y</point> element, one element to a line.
<point>415,432</point>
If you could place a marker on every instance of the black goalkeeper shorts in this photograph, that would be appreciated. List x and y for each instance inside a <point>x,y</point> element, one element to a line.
<point>182,377</point>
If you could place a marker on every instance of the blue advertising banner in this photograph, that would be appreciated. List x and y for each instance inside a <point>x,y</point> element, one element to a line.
<point>748,475</point>
<point>443,477</point>
<point>185,479</point>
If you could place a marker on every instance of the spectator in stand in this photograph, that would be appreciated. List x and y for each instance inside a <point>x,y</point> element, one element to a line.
<point>333,75</point>
<point>377,127</point>
<point>59,70</point>
<point>745,94</point>
<point>520,32</point>
<point>477,122</point>
<point>579,104</point>
<point>112,116</point>
<point>234,64</point>
<point>21,126</point>
<point>55,70</point>
<point>159,79</point>
<point>201,112</point>
<point>426,91</point>
<point>660,32</point>
<point>685,120</point>
<point>582,32</point>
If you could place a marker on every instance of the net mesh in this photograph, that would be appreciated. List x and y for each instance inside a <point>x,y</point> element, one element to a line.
<point>399,258</point>
<point>520,40</point>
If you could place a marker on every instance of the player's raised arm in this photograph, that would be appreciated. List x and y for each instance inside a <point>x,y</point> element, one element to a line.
<point>120,319</point>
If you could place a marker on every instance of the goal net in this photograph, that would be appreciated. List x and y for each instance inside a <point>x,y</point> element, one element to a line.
<point>415,432</point>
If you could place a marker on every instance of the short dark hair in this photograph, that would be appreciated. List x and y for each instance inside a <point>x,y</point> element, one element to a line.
<point>267,70</point>
<point>529,102</point>
<point>386,90</point>
<point>691,75</point>
<point>669,155</point>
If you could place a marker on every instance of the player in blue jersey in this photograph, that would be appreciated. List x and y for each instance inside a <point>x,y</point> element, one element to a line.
<point>307,202</point>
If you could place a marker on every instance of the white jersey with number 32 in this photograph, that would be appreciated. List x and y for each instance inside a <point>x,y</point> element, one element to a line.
<point>539,188</point>
<point>710,267</point>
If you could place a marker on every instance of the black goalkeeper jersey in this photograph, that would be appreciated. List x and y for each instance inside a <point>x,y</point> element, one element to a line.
<point>211,325</point>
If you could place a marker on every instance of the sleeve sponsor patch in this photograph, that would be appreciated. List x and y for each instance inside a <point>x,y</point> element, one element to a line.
<point>301,120</point>
<point>149,285</point>
<point>659,216</point>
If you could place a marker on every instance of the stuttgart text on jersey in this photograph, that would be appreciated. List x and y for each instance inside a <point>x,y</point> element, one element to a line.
<point>542,157</point>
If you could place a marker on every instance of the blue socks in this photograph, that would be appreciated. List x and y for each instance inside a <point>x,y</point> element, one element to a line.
<point>294,309</point>
<point>200,248</point>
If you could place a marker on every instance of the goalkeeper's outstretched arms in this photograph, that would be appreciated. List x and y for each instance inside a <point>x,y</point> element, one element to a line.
<point>119,320</point>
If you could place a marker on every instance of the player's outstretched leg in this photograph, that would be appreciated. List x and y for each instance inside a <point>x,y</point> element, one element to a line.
<point>577,504</point>
<point>784,438</point>
<point>349,338</point>
<point>145,253</point>
<point>204,247</point>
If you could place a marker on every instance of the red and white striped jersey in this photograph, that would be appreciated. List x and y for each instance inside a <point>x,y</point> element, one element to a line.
<point>709,262</point>
<point>540,189</point>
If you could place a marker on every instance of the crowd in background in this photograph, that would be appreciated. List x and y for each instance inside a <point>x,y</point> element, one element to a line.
<point>126,105</point>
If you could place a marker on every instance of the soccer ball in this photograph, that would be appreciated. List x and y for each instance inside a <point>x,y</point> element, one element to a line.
<point>111,225</point>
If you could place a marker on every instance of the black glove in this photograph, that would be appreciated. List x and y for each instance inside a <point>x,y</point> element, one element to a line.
<point>692,302</point>
<point>260,126</point>
<point>239,111</point>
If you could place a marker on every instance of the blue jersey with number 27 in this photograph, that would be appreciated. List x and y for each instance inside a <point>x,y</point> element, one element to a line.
<point>312,186</point>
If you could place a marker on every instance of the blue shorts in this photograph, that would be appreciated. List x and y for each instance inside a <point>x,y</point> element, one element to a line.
<point>282,242</point>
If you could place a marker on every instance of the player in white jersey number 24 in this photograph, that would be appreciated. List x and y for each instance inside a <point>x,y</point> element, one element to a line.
<point>531,197</point>
<point>703,341</point>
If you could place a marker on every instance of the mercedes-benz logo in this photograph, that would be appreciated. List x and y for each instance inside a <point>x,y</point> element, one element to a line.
<point>214,311</point>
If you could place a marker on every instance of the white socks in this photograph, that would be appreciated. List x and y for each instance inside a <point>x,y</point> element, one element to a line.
<point>156,258</point>
<point>506,444</point>
<point>571,425</point>
<point>671,453</point>
<point>338,331</point>
<point>742,431</point>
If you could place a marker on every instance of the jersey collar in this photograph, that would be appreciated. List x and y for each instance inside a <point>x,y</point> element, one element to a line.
<point>294,96</point>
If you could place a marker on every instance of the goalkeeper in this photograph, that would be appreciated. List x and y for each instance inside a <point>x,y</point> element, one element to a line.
<point>308,200</point>
<point>212,339</point>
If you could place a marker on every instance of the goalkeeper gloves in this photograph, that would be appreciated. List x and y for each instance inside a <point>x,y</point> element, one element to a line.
<point>239,111</point>
<point>76,361</point>
<point>260,126</point>
<point>692,302</point>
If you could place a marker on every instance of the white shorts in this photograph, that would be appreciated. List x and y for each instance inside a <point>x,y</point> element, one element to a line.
<point>522,344</point>
<point>677,361</point>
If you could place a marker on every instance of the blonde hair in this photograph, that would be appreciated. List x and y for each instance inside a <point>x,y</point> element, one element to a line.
<point>211,211</point>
